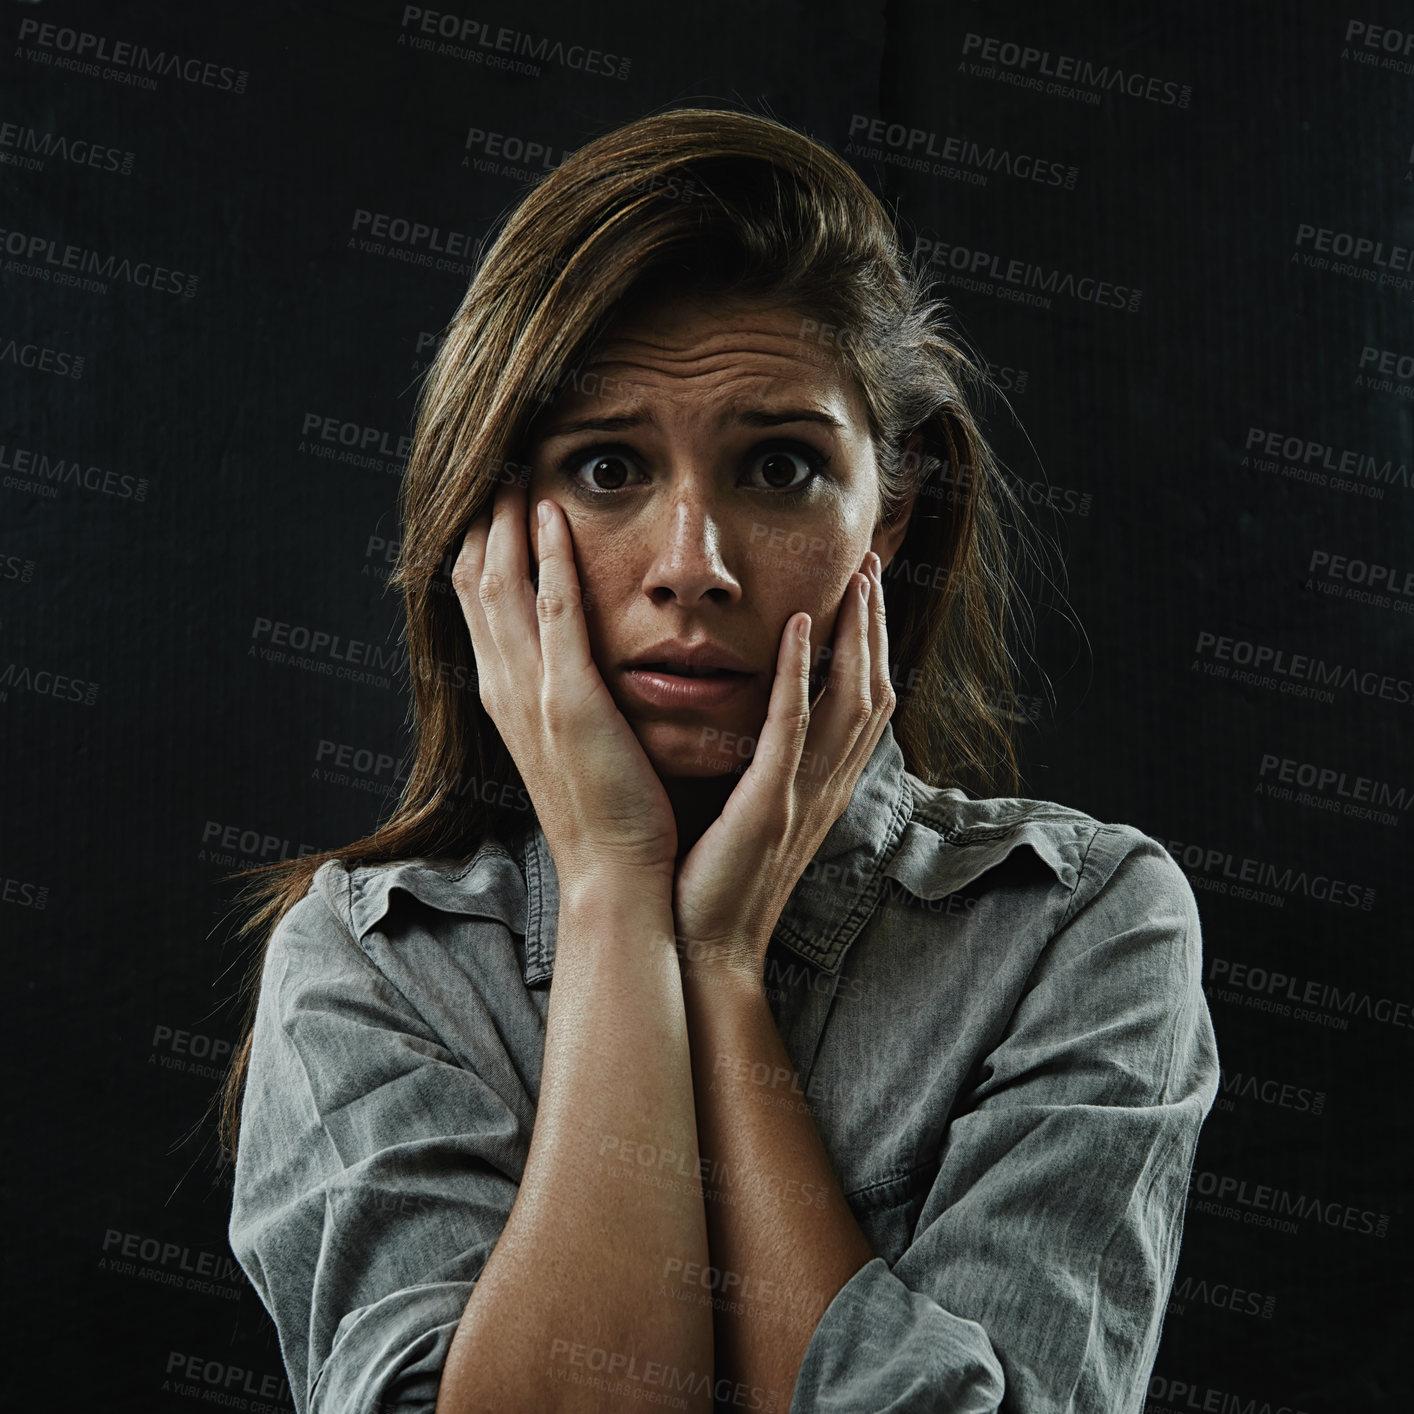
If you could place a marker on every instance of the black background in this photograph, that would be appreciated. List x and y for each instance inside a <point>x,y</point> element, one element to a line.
<point>167,489</point>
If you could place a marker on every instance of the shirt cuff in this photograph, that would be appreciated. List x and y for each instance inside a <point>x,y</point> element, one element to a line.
<point>390,1355</point>
<point>881,1346</point>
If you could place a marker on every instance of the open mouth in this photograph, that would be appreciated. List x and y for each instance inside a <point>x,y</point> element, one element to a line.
<point>677,686</point>
<point>681,670</point>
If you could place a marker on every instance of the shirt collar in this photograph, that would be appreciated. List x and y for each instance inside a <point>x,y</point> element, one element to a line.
<point>832,899</point>
<point>931,841</point>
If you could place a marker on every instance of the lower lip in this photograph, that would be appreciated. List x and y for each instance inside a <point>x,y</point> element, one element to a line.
<point>664,689</point>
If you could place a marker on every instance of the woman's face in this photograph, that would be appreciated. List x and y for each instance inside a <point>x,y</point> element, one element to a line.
<point>717,474</point>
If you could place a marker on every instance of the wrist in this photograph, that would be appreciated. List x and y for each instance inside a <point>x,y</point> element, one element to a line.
<point>725,975</point>
<point>580,877</point>
<point>626,902</point>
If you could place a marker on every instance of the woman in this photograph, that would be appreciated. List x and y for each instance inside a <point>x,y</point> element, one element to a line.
<point>690,1035</point>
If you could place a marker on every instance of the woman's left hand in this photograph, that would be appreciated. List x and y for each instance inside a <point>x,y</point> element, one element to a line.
<point>730,888</point>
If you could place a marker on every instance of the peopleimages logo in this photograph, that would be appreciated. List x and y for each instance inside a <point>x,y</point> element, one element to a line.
<point>508,154</point>
<point>39,473</point>
<point>1386,370</point>
<point>42,358</point>
<point>477,41</point>
<point>1357,257</point>
<point>1286,995</point>
<point>1294,673</point>
<point>83,52</point>
<point>1379,46</point>
<point>1331,789</point>
<point>918,149</point>
<point>1038,64</point>
<point>1364,250</point>
<point>1282,1094</point>
<point>411,242</point>
<point>216,1382</point>
<point>30,148</point>
<point>44,682</point>
<point>42,257</point>
<point>1021,280</point>
<point>356,444</point>
<point>1318,458</point>
<point>1229,873</point>
<point>1193,1398</point>
<point>323,651</point>
<point>1268,1206</point>
<point>1222,1296</point>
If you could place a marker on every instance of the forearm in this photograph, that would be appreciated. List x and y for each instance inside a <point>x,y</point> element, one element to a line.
<point>611,1191</point>
<point>781,1234</point>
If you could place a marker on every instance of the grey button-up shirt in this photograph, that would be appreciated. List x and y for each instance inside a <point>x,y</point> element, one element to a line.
<point>993,1006</point>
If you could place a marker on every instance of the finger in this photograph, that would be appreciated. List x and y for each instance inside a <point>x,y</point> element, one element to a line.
<point>466,577</point>
<point>777,757</point>
<point>846,706</point>
<point>881,688</point>
<point>564,635</point>
<point>506,594</point>
<point>881,682</point>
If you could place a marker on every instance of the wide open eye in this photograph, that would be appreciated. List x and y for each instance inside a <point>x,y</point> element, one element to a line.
<point>606,469</point>
<point>781,463</point>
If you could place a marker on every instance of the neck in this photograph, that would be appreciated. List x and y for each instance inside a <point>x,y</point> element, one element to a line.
<point>697,801</point>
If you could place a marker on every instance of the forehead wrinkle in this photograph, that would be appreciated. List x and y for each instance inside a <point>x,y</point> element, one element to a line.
<point>699,344</point>
<point>732,389</point>
<point>718,362</point>
<point>722,357</point>
<point>727,400</point>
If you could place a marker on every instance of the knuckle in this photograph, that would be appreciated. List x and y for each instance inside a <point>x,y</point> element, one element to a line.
<point>463,574</point>
<point>797,719</point>
<point>550,605</point>
<point>490,588</point>
<point>555,715</point>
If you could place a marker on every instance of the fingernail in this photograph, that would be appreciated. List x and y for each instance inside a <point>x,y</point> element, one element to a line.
<point>543,511</point>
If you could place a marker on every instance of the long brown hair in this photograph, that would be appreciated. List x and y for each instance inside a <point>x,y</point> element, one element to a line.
<point>743,206</point>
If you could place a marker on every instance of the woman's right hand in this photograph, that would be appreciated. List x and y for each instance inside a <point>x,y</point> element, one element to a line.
<point>595,792</point>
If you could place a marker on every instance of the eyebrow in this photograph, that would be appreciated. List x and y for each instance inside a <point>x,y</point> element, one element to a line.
<point>746,417</point>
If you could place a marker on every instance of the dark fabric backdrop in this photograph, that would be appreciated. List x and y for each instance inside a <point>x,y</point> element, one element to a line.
<point>1182,237</point>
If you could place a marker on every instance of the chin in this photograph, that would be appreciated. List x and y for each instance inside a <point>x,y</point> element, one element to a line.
<point>698,749</point>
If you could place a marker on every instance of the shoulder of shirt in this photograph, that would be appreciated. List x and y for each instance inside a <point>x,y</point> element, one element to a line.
<point>952,838</point>
<point>490,885</point>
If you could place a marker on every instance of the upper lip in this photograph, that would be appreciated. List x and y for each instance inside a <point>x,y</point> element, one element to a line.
<point>703,654</point>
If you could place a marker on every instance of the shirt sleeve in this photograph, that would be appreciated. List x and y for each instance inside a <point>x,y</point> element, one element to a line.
<point>1045,1250</point>
<point>371,1180</point>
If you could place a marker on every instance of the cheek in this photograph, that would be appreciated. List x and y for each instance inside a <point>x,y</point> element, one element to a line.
<point>603,566</point>
<point>803,570</point>
<point>813,575</point>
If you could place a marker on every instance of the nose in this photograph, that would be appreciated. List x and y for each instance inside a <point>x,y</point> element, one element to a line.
<point>686,560</point>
